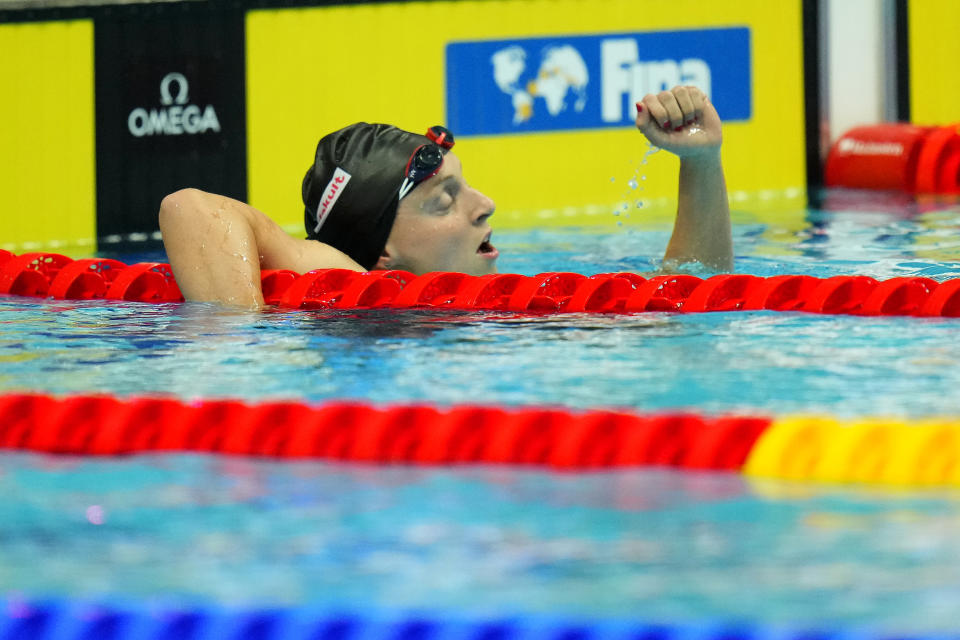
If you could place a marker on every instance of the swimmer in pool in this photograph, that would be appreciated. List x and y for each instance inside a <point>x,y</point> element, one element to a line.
<point>378,197</point>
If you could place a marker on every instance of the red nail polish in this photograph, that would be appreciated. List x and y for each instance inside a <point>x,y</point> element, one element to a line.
<point>678,128</point>
<point>666,125</point>
<point>639,107</point>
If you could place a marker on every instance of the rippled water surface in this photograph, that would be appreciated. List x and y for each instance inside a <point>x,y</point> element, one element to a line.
<point>654,544</point>
<point>663,546</point>
<point>757,361</point>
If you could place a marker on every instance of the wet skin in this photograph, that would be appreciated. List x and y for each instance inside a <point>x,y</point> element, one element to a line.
<point>443,225</point>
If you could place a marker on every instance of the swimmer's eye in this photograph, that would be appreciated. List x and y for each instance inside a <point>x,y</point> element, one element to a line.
<point>448,200</point>
<point>444,203</point>
<point>453,191</point>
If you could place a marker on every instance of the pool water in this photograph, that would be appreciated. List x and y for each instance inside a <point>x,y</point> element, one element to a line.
<point>771,363</point>
<point>656,545</point>
<point>766,362</point>
<point>659,545</point>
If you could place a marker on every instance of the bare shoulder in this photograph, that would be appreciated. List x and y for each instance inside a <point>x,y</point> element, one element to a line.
<point>217,246</point>
<point>280,250</point>
<point>196,213</point>
<point>193,203</point>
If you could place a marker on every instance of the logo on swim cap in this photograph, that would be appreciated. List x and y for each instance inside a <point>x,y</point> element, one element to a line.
<point>330,196</point>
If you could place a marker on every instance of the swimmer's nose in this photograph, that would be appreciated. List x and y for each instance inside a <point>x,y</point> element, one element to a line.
<point>484,209</point>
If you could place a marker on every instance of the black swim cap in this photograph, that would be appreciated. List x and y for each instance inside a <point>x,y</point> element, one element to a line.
<point>353,188</point>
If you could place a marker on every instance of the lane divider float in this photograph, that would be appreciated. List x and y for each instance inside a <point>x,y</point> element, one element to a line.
<point>356,432</point>
<point>129,619</point>
<point>922,453</point>
<point>57,276</point>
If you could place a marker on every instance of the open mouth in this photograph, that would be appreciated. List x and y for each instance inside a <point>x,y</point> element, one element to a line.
<point>486,249</point>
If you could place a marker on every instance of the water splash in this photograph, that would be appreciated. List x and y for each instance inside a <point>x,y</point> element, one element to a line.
<point>633,184</point>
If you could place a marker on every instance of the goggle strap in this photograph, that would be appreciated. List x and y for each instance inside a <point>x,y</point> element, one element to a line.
<point>438,135</point>
<point>405,188</point>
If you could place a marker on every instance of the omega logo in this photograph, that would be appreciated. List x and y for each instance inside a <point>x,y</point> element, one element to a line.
<point>175,117</point>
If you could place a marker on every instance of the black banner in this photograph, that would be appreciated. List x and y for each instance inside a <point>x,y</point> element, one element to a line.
<point>170,109</point>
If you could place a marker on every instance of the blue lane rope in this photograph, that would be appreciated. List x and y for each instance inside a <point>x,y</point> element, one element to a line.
<point>79,620</point>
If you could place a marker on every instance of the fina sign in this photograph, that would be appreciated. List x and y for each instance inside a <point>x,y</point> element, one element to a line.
<point>175,117</point>
<point>584,82</point>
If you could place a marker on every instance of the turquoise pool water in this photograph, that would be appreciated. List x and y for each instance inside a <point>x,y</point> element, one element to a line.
<point>654,545</point>
<point>742,362</point>
<point>650,544</point>
<point>754,362</point>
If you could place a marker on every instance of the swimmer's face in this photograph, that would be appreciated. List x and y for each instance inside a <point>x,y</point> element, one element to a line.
<point>442,225</point>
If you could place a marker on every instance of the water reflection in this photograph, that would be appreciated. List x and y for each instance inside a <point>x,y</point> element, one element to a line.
<point>652,544</point>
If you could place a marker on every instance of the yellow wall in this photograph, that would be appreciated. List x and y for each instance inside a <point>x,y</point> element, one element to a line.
<point>311,71</point>
<point>47,182</point>
<point>934,51</point>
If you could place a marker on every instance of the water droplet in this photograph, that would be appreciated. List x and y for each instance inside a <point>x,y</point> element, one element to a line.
<point>613,179</point>
<point>643,177</point>
<point>619,223</point>
<point>639,204</point>
<point>633,183</point>
<point>616,212</point>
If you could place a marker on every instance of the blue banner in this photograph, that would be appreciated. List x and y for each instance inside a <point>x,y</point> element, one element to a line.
<point>590,82</point>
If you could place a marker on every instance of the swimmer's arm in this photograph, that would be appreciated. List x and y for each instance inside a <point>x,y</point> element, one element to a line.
<point>701,232</point>
<point>217,247</point>
<point>684,122</point>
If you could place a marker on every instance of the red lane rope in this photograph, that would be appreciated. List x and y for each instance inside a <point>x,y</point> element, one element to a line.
<point>57,276</point>
<point>406,434</point>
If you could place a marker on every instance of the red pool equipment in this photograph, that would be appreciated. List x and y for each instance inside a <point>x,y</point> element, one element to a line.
<point>54,276</point>
<point>897,157</point>
<point>357,432</point>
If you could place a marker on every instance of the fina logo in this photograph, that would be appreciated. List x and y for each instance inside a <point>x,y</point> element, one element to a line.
<point>173,118</point>
<point>563,75</point>
<point>562,71</point>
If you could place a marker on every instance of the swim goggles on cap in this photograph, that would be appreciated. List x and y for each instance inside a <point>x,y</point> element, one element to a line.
<point>426,160</point>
